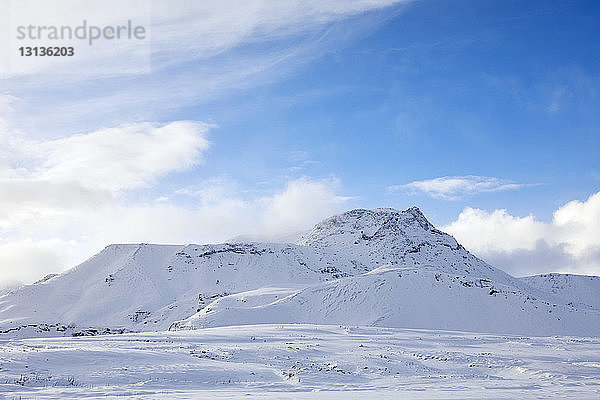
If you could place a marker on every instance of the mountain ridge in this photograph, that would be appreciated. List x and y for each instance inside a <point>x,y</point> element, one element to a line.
<point>146,287</point>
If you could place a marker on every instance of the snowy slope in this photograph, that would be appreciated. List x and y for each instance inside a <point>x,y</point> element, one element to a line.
<point>146,287</point>
<point>405,297</point>
<point>580,290</point>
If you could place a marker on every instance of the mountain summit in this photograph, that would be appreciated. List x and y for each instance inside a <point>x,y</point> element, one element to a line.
<point>371,238</point>
<point>366,225</point>
<point>396,233</point>
<point>380,267</point>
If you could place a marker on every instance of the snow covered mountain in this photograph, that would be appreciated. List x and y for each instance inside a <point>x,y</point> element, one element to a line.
<point>379,267</point>
<point>147,287</point>
<point>372,238</point>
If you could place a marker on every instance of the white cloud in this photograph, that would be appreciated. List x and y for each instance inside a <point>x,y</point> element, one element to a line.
<point>28,260</point>
<point>32,202</point>
<point>524,245</point>
<point>221,211</point>
<point>303,200</point>
<point>125,157</point>
<point>578,224</point>
<point>454,187</point>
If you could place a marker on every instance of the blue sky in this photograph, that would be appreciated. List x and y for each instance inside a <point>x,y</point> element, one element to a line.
<point>482,113</point>
<point>444,88</point>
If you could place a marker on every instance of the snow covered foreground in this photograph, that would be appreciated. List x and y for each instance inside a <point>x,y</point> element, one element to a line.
<point>295,361</point>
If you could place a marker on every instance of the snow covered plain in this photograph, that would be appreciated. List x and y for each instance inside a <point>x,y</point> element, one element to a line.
<point>296,361</point>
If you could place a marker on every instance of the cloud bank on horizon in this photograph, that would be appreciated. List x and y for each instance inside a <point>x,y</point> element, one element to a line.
<point>265,117</point>
<point>526,246</point>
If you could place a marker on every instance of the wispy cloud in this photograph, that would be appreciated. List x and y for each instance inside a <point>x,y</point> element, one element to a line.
<point>179,32</point>
<point>559,91</point>
<point>200,51</point>
<point>455,187</point>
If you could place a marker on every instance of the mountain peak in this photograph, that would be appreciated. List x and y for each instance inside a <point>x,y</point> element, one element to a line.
<point>383,212</point>
<point>400,238</point>
<point>414,210</point>
<point>419,217</point>
<point>364,224</point>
